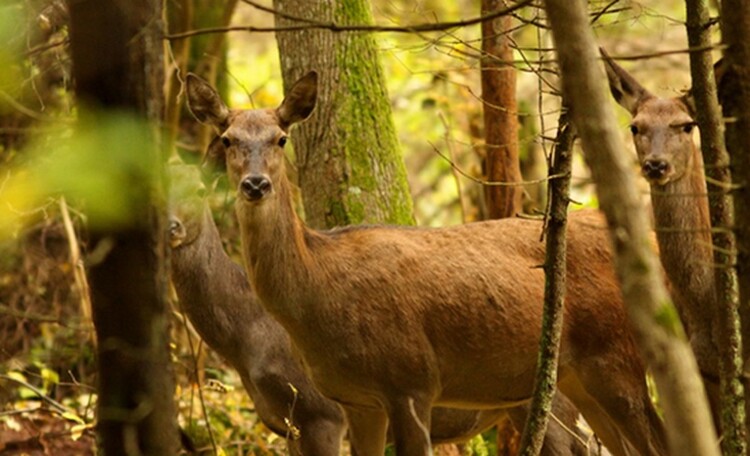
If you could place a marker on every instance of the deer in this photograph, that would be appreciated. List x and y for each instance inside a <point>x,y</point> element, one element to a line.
<point>662,131</point>
<point>393,321</point>
<point>215,294</point>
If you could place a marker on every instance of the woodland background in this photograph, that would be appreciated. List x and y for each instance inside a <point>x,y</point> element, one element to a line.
<point>47,357</point>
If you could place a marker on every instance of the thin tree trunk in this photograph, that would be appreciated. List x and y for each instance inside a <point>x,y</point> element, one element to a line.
<point>719,180</point>
<point>500,114</point>
<point>180,19</point>
<point>348,156</point>
<point>657,327</point>
<point>554,291</point>
<point>735,99</point>
<point>118,65</point>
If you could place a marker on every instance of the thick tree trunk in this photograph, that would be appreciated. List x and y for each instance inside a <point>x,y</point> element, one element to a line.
<point>716,160</point>
<point>348,156</point>
<point>500,115</point>
<point>656,325</point>
<point>117,57</point>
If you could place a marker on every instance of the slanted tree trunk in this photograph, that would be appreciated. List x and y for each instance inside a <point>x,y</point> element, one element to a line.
<point>655,322</point>
<point>500,115</point>
<point>347,154</point>
<point>716,159</point>
<point>118,66</point>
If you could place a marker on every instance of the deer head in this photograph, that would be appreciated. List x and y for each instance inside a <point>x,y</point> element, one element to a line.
<point>186,204</point>
<point>251,142</point>
<point>662,127</point>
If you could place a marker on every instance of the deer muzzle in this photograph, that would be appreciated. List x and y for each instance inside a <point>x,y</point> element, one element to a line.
<point>255,187</point>
<point>655,170</point>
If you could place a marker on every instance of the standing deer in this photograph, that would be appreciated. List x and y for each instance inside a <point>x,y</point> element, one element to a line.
<point>393,321</point>
<point>662,131</point>
<point>215,294</point>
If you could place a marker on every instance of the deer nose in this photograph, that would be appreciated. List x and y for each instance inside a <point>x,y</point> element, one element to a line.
<point>655,169</point>
<point>255,187</point>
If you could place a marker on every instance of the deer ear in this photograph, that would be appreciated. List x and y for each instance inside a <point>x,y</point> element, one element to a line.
<point>300,101</point>
<point>205,103</point>
<point>626,90</point>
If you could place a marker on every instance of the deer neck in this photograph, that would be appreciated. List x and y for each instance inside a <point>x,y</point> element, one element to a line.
<point>682,224</point>
<point>213,290</point>
<point>275,252</point>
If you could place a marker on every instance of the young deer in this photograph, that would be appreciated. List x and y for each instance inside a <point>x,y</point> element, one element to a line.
<point>392,321</point>
<point>663,135</point>
<point>215,294</point>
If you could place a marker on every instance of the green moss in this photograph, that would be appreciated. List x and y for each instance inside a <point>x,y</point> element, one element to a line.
<point>371,149</point>
<point>667,317</point>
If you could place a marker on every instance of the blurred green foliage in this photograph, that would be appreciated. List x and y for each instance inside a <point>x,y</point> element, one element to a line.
<point>105,162</point>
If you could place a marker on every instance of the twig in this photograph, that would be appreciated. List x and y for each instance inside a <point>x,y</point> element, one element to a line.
<point>79,272</point>
<point>491,183</point>
<point>333,27</point>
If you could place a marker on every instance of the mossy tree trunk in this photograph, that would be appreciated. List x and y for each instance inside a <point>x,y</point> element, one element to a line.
<point>721,206</point>
<point>347,154</point>
<point>734,94</point>
<point>118,67</point>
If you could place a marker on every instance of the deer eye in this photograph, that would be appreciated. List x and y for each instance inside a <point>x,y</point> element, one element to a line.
<point>226,141</point>
<point>282,141</point>
<point>688,128</point>
<point>634,129</point>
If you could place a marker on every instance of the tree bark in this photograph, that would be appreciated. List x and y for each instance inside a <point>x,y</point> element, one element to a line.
<point>719,180</point>
<point>118,66</point>
<point>500,115</point>
<point>734,93</point>
<point>347,154</point>
<point>656,326</point>
<point>554,291</point>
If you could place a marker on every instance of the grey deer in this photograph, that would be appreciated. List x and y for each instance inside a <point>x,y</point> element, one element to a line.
<point>393,321</point>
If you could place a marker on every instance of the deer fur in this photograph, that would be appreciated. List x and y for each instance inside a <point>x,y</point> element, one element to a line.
<point>663,130</point>
<point>393,321</point>
<point>215,294</point>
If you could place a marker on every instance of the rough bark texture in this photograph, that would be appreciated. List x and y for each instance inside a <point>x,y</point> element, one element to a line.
<point>117,56</point>
<point>500,115</point>
<point>734,92</point>
<point>656,325</point>
<point>348,156</point>
<point>727,335</point>
<point>554,292</point>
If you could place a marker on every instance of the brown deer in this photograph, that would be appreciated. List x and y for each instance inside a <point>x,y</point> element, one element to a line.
<point>662,131</point>
<point>393,321</point>
<point>215,294</point>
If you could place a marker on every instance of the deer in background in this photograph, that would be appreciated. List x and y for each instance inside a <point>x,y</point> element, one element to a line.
<point>662,131</point>
<point>393,321</point>
<point>215,294</point>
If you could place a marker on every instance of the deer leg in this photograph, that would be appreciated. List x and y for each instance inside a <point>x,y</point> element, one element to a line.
<point>613,398</point>
<point>562,437</point>
<point>318,437</point>
<point>409,419</point>
<point>367,431</point>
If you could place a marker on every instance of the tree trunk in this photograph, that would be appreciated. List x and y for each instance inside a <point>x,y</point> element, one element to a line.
<point>734,93</point>
<point>554,291</point>
<point>657,328</point>
<point>348,156</point>
<point>716,159</point>
<point>500,115</point>
<point>118,65</point>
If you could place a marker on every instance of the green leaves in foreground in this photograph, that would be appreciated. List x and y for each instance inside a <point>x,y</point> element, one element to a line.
<point>106,164</point>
